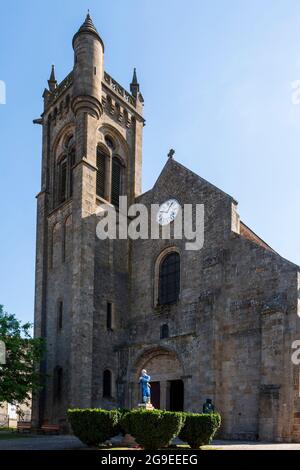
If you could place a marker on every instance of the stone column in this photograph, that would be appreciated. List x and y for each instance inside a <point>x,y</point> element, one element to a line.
<point>136,164</point>
<point>41,271</point>
<point>272,347</point>
<point>164,388</point>
<point>84,237</point>
<point>133,395</point>
<point>188,404</point>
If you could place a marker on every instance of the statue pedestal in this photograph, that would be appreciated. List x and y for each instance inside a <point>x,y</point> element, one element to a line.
<point>146,406</point>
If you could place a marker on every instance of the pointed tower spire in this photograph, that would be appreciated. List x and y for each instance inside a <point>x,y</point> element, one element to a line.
<point>52,82</point>
<point>88,27</point>
<point>134,78</point>
<point>134,85</point>
<point>88,68</point>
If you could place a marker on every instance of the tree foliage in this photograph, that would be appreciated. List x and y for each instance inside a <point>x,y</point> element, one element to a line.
<point>19,376</point>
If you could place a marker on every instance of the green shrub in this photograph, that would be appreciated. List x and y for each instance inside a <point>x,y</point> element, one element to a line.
<point>152,429</point>
<point>119,427</point>
<point>199,429</point>
<point>93,426</point>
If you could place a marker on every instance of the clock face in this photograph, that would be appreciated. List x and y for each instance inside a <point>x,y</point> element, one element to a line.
<point>167,212</point>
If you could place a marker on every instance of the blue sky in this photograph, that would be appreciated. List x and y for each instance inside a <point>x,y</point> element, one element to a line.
<point>216,77</point>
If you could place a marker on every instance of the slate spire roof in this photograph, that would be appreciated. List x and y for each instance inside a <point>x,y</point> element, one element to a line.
<point>134,85</point>
<point>88,27</point>
<point>134,78</point>
<point>52,80</point>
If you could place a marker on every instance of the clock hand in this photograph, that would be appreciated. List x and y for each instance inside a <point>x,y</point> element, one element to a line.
<point>170,205</point>
<point>166,210</point>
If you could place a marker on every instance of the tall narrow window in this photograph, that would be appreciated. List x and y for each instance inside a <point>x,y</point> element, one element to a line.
<point>72,163</point>
<point>169,279</point>
<point>101,162</point>
<point>63,168</point>
<point>107,383</point>
<point>116,181</point>
<point>60,315</point>
<point>109,316</point>
<point>57,383</point>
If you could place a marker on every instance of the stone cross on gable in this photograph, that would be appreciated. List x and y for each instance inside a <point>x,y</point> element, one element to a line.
<point>171,153</point>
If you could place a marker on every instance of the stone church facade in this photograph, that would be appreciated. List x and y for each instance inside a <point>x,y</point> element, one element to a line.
<point>223,332</point>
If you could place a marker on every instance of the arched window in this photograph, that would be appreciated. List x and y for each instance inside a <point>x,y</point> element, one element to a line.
<point>164,331</point>
<point>65,171</point>
<point>101,165</point>
<point>116,179</point>
<point>169,279</point>
<point>107,383</point>
<point>57,383</point>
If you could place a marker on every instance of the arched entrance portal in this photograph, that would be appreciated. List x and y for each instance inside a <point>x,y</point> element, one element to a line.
<point>167,387</point>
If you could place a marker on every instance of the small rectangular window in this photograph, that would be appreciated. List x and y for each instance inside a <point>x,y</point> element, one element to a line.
<point>60,315</point>
<point>109,316</point>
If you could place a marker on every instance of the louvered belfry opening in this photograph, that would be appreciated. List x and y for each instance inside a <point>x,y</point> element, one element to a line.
<point>64,173</point>
<point>169,279</point>
<point>116,181</point>
<point>101,162</point>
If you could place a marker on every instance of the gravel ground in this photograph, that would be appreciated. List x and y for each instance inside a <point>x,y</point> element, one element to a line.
<point>42,443</point>
<point>240,445</point>
<point>71,443</point>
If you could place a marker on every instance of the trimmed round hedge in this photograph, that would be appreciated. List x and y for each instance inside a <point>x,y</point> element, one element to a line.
<point>119,429</point>
<point>93,426</point>
<point>199,429</point>
<point>152,429</point>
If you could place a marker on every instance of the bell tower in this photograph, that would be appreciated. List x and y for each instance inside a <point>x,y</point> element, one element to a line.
<point>91,153</point>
